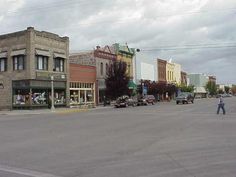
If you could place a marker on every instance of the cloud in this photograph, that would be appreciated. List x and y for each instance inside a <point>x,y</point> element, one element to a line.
<point>174,23</point>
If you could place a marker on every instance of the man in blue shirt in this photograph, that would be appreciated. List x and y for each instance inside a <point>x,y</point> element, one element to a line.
<point>221,105</point>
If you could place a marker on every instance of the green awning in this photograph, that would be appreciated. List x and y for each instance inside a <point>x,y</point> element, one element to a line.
<point>132,85</point>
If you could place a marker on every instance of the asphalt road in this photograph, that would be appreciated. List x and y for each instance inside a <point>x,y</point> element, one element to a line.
<point>164,140</point>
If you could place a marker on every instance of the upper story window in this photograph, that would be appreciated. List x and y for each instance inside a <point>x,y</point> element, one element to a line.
<point>101,68</point>
<point>107,68</point>
<point>19,62</point>
<point>59,64</point>
<point>3,64</point>
<point>41,62</point>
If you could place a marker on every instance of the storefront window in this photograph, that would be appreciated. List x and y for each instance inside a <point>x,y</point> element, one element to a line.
<point>74,97</point>
<point>59,97</point>
<point>82,96</point>
<point>39,97</point>
<point>21,97</point>
<point>89,96</point>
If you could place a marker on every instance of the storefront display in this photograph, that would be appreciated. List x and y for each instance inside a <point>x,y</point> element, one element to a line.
<point>33,94</point>
<point>82,93</point>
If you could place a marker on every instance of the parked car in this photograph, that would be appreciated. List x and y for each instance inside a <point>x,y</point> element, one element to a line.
<point>121,101</point>
<point>147,99</point>
<point>185,97</point>
<point>125,101</point>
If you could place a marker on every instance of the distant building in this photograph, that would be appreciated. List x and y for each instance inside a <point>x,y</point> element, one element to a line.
<point>161,65</point>
<point>126,54</point>
<point>212,79</point>
<point>199,82</point>
<point>170,67</point>
<point>105,57</point>
<point>28,60</point>
<point>145,67</point>
<point>184,80</point>
<point>177,73</point>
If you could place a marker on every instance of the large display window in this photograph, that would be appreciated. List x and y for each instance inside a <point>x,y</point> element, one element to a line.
<point>28,94</point>
<point>82,93</point>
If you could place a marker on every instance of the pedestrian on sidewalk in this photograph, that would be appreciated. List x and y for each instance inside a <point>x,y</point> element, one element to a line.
<point>221,105</point>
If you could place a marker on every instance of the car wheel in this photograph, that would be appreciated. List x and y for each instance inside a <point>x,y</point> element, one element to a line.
<point>183,102</point>
<point>177,102</point>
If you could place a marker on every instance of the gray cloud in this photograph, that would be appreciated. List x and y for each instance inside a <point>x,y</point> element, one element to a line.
<point>143,25</point>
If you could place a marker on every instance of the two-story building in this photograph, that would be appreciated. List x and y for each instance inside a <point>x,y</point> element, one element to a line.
<point>82,79</point>
<point>30,60</point>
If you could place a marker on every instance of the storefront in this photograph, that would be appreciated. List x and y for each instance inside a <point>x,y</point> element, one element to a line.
<point>82,94</point>
<point>33,94</point>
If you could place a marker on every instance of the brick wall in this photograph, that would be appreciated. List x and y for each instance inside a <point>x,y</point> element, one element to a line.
<point>81,73</point>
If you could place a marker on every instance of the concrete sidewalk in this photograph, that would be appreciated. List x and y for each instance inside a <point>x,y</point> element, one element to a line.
<point>49,111</point>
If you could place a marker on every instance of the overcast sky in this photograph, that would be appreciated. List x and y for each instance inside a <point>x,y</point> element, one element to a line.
<point>198,34</point>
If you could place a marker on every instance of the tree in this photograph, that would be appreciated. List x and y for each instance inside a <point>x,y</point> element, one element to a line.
<point>117,80</point>
<point>227,89</point>
<point>185,88</point>
<point>211,88</point>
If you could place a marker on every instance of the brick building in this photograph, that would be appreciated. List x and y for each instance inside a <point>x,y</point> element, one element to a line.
<point>83,79</point>
<point>184,78</point>
<point>28,60</point>
<point>161,65</point>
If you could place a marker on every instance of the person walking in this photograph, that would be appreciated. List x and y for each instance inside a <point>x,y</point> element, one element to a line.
<point>221,105</point>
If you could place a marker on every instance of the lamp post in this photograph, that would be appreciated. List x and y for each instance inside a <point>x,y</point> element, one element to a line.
<point>135,65</point>
<point>52,94</point>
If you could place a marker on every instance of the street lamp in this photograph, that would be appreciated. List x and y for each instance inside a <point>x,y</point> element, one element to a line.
<point>135,65</point>
<point>52,94</point>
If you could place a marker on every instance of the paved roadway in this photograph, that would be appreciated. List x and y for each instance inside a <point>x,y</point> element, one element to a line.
<point>164,140</point>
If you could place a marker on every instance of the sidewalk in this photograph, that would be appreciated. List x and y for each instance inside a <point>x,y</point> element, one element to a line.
<point>49,111</point>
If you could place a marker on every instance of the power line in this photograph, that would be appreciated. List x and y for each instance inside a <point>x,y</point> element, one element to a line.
<point>66,3</point>
<point>184,47</point>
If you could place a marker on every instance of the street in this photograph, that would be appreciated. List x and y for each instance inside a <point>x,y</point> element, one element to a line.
<point>161,140</point>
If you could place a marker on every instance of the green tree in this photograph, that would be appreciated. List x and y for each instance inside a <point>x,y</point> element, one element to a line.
<point>227,89</point>
<point>211,88</point>
<point>185,88</point>
<point>117,80</point>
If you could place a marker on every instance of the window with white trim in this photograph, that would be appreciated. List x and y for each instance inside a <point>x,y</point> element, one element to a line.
<point>41,62</point>
<point>19,62</point>
<point>59,64</point>
<point>3,64</point>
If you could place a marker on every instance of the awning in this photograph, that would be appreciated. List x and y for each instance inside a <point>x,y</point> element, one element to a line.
<point>59,55</point>
<point>132,85</point>
<point>42,52</point>
<point>18,52</point>
<point>3,55</point>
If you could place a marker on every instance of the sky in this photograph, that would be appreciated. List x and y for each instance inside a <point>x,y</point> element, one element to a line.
<point>198,34</point>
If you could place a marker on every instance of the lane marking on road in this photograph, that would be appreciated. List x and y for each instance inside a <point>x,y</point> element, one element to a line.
<point>26,172</point>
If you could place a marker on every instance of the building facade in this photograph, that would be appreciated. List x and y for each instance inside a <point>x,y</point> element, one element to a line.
<point>177,73</point>
<point>83,80</point>
<point>161,65</point>
<point>199,82</point>
<point>145,67</point>
<point>126,54</point>
<point>184,78</point>
<point>105,57</point>
<point>170,67</point>
<point>30,61</point>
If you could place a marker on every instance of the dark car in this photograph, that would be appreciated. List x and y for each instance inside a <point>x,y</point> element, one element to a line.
<point>185,97</point>
<point>147,99</point>
<point>150,99</point>
<point>125,101</point>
